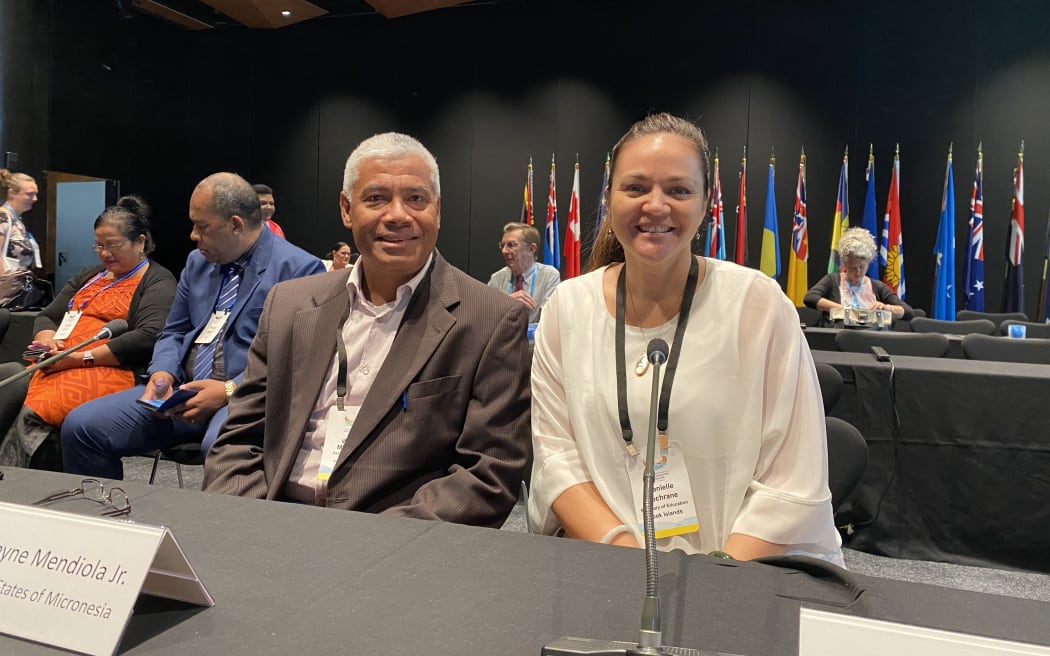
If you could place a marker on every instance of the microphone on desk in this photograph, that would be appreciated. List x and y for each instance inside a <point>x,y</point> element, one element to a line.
<point>111,329</point>
<point>650,639</point>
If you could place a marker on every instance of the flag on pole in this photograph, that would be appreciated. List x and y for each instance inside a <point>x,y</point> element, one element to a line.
<point>1013,291</point>
<point>770,262</point>
<point>869,219</point>
<point>741,214</point>
<point>603,203</point>
<point>716,237</point>
<point>975,246</point>
<point>551,252</point>
<point>572,228</point>
<point>526,203</point>
<point>944,266</point>
<point>841,221</point>
<point>798,276</point>
<point>891,252</point>
<point>1043,313</point>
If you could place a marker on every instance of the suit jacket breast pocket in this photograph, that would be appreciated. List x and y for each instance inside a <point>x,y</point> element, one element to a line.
<point>435,389</point>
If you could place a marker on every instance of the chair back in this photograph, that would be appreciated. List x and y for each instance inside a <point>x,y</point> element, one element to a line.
<point>809,316</point>
<point>927,325</point>
<point>995,317</point>
<point>847,459</point>
<point>1031,328</point>
<point>5,321</point>
<point>1004,349</point>
<point>830,385</point>
<point>930,345</point>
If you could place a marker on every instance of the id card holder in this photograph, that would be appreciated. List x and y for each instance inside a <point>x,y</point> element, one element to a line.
<point>339,424</point>
<point>674,511</point>
<point>213,328</point>
<point>69,322</point>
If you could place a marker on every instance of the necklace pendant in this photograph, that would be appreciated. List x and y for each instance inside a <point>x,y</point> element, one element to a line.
<point>642,366</point>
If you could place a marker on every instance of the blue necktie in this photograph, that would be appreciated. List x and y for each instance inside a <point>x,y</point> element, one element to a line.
<point>205,363</point>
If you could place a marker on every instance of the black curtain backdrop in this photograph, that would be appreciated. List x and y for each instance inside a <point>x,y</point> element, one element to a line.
<point>485,86</point>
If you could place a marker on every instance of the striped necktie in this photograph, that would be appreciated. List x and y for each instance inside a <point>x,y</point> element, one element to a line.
<point>205,363</point>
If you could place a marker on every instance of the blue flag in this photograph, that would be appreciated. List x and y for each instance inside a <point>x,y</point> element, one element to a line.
<point>770,262</point>
<point>869,220</point>
<point>1013,290</point>
<point>944,269</point>
<point>551,249</point>
<point>975,247</point>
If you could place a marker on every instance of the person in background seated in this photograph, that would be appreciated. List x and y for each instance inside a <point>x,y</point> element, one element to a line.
<point>423,408</point>
<point>205,340</point>
<point>124,285</point>
<point>269,207</point>
<point>339,257</point>
<point>20,250</point>
<point>742,453</point>
<point>525,279</point>
<point>851,287</point>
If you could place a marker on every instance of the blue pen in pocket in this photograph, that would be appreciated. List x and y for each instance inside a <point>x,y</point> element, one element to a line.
<point>404,400</point>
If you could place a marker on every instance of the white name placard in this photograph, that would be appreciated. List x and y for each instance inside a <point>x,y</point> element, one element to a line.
<point>831,634</point>
<point>71,580</point>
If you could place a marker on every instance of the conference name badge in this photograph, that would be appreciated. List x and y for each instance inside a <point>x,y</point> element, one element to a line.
<point>339,424</point>
<point>674,512</point>
<point>214,327</point>
<point>69,322</point>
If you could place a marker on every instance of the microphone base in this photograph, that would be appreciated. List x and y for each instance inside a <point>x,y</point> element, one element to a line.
<point>590,647</point>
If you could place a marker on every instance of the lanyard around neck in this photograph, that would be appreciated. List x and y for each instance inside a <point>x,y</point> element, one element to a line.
<point>672,361</point>
<point>532,284</point>
<point>98,277</point>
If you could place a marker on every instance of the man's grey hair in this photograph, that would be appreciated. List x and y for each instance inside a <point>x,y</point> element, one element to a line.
<point>389,145</point>
<point>857,243</point>
<point>231,194</point>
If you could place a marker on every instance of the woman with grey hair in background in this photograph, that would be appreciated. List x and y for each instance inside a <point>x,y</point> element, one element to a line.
<point>851,288</point>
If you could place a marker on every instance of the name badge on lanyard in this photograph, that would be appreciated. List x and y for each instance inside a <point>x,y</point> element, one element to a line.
<point>339,424</point>
<point>674,511</point>
<point>69,322</point>
<point>214,327</point>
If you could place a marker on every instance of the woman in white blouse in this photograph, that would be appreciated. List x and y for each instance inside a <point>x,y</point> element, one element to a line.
<point>742,469</point>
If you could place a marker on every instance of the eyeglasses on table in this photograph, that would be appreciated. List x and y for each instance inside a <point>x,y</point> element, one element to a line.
<point>115,498</point>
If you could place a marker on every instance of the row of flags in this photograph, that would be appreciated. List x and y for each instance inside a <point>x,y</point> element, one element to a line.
<point>890,258</point>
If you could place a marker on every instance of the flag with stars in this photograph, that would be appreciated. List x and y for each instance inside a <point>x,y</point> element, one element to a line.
<point>551,252</point>
<point>975,260</point>
<point>868,219</point>
<point>798,276</point>
<point>944,268</point>
<point>1013,291</point>
<point>716,241</point>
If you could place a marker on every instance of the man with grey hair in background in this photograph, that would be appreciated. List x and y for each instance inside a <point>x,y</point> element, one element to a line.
<point>524,279</point>
<point>400,386</point>
<point>205,340</point>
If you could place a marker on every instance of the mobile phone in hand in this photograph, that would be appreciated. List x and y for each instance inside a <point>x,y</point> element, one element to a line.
<point>177,398</point>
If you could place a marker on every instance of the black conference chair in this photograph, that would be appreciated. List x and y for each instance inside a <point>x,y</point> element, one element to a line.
<point>188,453</point>
<point>995,317</point>
<point>1031,328</point>
<point>5,321</point>
<point>927,325</point>
<point>930,345</point>
<point>1005,349</point>
<point>809,316</point>
<point>830,385</point>
<point>847,459</point>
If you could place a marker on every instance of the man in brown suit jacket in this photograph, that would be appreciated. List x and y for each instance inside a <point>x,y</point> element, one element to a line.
<point>418,371</point>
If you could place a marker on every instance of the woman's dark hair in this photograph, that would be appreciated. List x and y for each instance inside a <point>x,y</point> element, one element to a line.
<point>607,249</point>
<point>338,245</point>
<point>130,216</point>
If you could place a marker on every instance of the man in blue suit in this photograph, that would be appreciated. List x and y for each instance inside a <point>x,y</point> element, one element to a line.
<point>205,340</point>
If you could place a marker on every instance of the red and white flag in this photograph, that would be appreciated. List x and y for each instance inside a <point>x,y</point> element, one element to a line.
<point>572,229</point>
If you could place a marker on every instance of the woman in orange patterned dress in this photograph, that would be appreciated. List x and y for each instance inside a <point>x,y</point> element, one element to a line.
<point>125,285</point>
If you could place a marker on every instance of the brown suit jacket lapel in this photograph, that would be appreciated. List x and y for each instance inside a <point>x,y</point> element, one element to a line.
<point>314,332</point>
<point>425,324</point>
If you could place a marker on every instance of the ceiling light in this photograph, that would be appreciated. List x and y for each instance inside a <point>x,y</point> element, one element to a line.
<point>286,13</point>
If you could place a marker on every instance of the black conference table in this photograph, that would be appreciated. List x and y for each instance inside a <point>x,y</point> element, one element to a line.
<point>967,478</point>
<point>290,579</point>
<point>823,339</point>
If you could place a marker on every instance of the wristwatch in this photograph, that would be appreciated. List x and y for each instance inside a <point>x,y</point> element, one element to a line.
<point>230,386</point>
<point>89,359</point>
